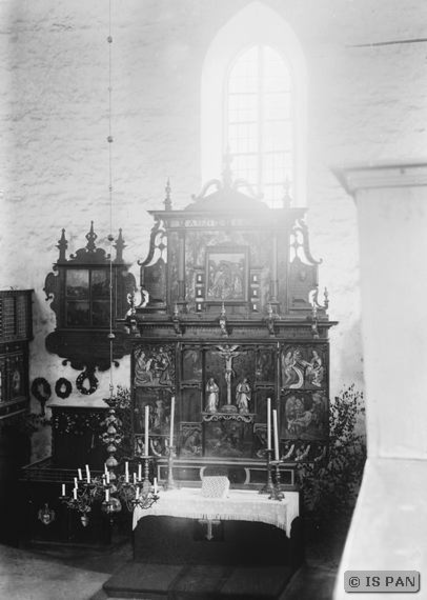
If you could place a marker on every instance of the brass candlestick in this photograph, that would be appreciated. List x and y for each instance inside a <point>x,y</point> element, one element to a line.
<point>170,484</point>
<point>277,493</point>
<point>268,487</point>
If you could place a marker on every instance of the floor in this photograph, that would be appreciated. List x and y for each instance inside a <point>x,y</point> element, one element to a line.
<point>58,573</point>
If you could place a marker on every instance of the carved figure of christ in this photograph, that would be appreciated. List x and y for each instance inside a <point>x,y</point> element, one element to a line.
<point>228,353</point>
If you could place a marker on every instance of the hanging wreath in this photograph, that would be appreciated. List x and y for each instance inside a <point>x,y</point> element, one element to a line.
<point>93,383</point>
<point>41,390</point>
<point>63,388</point>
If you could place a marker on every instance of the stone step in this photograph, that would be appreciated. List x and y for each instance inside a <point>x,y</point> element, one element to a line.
<point>145,581</point>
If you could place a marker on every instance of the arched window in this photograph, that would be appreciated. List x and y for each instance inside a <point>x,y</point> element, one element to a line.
<point>253,104</point>
<point>259,125</point>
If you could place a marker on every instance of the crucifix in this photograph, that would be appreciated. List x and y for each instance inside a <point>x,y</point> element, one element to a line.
<point>228,353</point>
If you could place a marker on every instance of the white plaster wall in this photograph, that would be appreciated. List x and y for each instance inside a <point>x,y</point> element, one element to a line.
<point>393,225</point>
<point>364,104</point>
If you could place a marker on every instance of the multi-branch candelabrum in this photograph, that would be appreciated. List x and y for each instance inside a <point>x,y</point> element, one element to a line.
<point>112,491</point>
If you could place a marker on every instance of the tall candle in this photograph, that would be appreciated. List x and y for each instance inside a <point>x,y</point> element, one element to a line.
<point>268,423</point>
<point>146,449</point>
<point>107,495</point>
<point>127,472</point>
<point>87,473</point>
<point>79,471</point>
<point>172,420</point>
<point>276,435</point>
<point>75,493</point>
<point>155,485</point>
<point>75,482</point>
<point>63,489</point>
<point>139,472</point>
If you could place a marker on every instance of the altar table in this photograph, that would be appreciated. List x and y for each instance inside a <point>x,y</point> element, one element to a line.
<point>239,505</point>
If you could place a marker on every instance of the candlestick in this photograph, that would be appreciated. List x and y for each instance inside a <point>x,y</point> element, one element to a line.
<point>268,423</point>
<point>276,435</point>
<point>172,420</point>
<point>170,484</point>
<point>146,447</point>
<point>268,488</point>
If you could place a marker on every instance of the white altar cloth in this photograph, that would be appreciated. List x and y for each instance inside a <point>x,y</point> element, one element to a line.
<point>240,505</point>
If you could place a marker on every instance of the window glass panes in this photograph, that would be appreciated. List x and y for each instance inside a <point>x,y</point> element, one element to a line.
<point>259,122</point>
<point>100,283</point>
<point>87,297</point>
<point>77,283</point>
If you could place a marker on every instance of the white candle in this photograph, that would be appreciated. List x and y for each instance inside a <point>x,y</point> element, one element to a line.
<point>268,423</point>
<point>147,409</point>
<point>79,471</point>
<point>139,472</point>
<point>108,477</point>
<point>87,473</point>
<point>137,492</point>
<point>75,493</point>
<point>134,477</point>
<point>172,420</point>
<point>76,482</point>
<point>63,489</point>
<point>155,485</point>
<point>107,495</point>
<point>105,470</point>
<point>276,435</point>
<point>127,472</point>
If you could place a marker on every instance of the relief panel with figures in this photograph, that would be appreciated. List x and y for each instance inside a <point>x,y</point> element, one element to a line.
<point>303,367</point>
<point>304,415</point>
<point>154,385</point>
<point>227,438</point>
<point>266,364</point>
<point>154,365</point>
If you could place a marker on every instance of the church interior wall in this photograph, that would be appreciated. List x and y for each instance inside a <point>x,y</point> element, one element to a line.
<point>366,102</point>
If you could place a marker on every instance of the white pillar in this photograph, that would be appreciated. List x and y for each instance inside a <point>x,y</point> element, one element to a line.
<point>390,520</point>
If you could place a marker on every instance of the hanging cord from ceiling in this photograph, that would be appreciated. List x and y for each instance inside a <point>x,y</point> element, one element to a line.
<point>110,140</point>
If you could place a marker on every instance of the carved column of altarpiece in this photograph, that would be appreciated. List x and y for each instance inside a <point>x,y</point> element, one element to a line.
<point>230,317</point>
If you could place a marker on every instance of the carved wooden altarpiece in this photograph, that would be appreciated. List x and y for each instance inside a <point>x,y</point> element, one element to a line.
<point>230,317</point>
